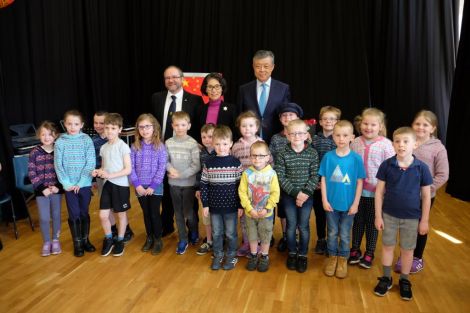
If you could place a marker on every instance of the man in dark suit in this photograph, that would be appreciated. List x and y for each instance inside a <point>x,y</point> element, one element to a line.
<point>264,95</point>
<point>164,104</point>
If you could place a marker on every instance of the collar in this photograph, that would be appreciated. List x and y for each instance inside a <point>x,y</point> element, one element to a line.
<point>179,94</point>
<point>268,83</point>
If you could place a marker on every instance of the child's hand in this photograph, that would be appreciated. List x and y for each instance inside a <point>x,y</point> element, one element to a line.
<point>254,213</point>
<point>46,192</point>
<point>262,213</point>
<point>104,174</point>
<point>327,207</point>
<point>198,194</point>
<point>94,173</point>
<point>302,197</point>
<point>353,209</point>
<point>379,223</point>
<point>240,212</point>
<point>299,203</point>
<point>140,190</point>
<point>54,189</point>
<point>423,227</point>
<point>149,191</point>
<point>74,189</point>
<point>205,211</point>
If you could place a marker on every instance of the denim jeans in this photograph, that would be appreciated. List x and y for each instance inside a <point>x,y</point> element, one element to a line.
<point>298,217</point>
<point>339,225</point>
<point>224,223</point>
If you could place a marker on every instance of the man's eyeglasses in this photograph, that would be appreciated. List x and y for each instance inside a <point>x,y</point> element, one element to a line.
<point>297,134</point>
<point>258,156</point>
<point>171,77</point>
<point>145,127</point>
<point>215,87</point>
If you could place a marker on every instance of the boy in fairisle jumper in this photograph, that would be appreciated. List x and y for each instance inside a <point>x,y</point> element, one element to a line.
<point>297,169</point>
<point>259,193</point>
<point>323,142</point>
<point>402,204</point>
<point>342,172</point>
<point>287,112</point>
<point>183,166</point>
<point>219,195</point>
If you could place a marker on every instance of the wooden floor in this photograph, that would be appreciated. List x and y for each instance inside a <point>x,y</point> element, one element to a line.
<point>140,282</point>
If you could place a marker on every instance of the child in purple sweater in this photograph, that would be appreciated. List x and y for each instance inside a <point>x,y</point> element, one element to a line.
<point>148,159</point>
<point>47,188</point>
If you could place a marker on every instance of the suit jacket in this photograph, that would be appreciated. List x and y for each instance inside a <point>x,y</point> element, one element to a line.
<point>190,105</point>
<point>227,116</point>
<point>279,93</point>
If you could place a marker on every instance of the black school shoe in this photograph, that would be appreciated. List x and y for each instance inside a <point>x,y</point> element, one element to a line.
<point>405,289</point>
<point>383,286</point>
<point>301,265</point>
<point>291,262</point>
<point>108,245</point>
<point>118,249</point>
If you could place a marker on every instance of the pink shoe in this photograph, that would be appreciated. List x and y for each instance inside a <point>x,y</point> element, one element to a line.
<point>244,250</point>
<point>46,249</point>
<point>56,249</point>
<point>417,266</point>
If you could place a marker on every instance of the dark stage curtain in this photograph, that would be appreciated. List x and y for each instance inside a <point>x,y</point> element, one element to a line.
<point>457,136</point>
<point>90,55</point>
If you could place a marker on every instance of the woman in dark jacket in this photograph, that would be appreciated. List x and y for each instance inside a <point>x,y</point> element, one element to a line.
<point>217,111</point>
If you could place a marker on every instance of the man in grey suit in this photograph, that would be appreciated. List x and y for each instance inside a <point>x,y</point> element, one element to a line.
<point>164,104</point>
<point>264,95</point>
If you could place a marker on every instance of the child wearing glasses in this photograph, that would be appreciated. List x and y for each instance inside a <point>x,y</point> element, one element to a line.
<point>323,142</point>
<point>148,160</point>
<point>287,112</point>
<point>259,193</point>
<point>297,169</point>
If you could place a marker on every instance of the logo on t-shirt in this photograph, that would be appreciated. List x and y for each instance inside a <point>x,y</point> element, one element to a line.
<point>339,177</point>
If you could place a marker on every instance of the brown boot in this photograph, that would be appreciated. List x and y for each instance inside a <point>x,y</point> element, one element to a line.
<point>342,269</point>
<point>330,266</point>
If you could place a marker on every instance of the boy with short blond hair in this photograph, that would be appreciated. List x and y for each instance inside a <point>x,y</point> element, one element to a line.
<point>219,195</point>
<point>115,167</point>
<point>297,169</point>
<point>182,167</point>
<point>259,193</point>
<point>342,172</point>
<point>323,142</point>
<point>402,204</point>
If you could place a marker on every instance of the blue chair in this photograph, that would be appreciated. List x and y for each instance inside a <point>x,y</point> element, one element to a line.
<point>20,164</point>
<point>5,198</point>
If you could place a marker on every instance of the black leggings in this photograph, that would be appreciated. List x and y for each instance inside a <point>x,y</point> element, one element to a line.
<point>421,242</point>
<point>364,221</point>
<point>151,210</point>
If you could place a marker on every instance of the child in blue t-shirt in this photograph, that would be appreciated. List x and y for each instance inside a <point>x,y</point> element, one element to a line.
<point>342,172</point>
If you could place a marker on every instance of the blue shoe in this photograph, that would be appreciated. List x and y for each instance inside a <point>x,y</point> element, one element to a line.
<point>181,248</point>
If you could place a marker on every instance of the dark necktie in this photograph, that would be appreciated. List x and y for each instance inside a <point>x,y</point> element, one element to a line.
<point>171,110</point>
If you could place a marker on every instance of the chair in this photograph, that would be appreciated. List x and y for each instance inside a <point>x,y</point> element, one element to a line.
<point>20,165</point>
<point>5,198</point>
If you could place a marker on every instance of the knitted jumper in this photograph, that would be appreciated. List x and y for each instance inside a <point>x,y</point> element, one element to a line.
<point>74,160</point>
<point>219,184</point>
<point>41,170</point>
<point>297,171</point>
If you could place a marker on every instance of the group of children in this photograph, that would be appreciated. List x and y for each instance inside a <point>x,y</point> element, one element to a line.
<point>366,184</point>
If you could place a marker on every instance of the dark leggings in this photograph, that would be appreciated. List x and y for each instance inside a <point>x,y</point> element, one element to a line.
<point>151,211</point>
<point>421,242</point>
<point>364,221</point>
<point>320,216</point>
